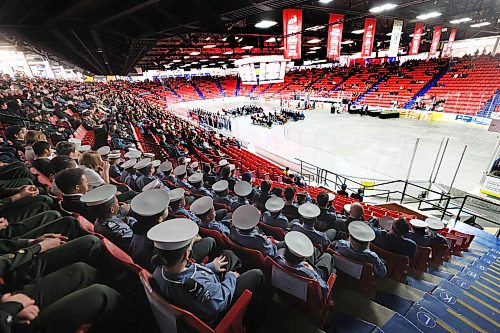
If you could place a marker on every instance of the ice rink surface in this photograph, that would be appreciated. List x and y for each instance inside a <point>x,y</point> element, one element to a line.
<point>367,147</point>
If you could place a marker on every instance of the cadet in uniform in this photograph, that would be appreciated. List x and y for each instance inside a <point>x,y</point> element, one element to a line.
<point>111,221</point>
<point>354,211</point>
<point>358,247</point>
<point>205,211</point>
<point>245,233</point>
<point>73,185</point>
<point>196,181</point>
<point>146,169</point>
<point>327,217</point>
<point>272,216</point>
<point>150,208</point>
<point>242,190</point>
<point>343,190</point>
<point>181,173</point>
<point>178,203</point>
<point>391,237</point>
<point>309,213</point>
<point>165,173</point>
<point>115,171</point>
<point>131,175</point>
<point>291,209</point>
<point>434,225</point>
<point>301,256</point>
<point>419,234</point>
<point>221,189</point>
<point>206,291</point>
<point>128,168</point>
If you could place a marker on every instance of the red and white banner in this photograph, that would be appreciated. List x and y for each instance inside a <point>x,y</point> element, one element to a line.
<point>451,40</point>
<point>368,37</point>
<point>336,24</point>
<point>397,29</point>
<point>417,37</point>
<point>435,41</point>
<point>292,26</point>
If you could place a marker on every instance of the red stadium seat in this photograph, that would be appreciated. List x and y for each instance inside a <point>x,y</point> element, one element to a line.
<point>119,255</point>
<point>220,239</point>
<point>167,315</point>
<point>421,261</point>
<point>250,258</point>
<point>439,253</point>
<point>275,232</point>
<point>303,293</point>
<point>85,224</point>
<point>42,179</point>
<point>354,274</point>
<point>467,237</point>
<point>397,265</point>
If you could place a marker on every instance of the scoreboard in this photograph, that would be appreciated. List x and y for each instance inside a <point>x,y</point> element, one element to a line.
<point>261,69</point>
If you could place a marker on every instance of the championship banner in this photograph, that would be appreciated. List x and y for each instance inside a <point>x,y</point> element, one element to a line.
<point>453,34</point>
<point>335,27</point>
<point>368,37</point>
<point>397,29</point>
<point>417,37</point>
<point>292,26</point>
<point>435,41</point>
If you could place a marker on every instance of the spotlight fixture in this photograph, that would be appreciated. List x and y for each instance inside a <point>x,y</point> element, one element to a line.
<point>358,32</point>
<point>247,47</point>
<point>270,40</point>
<point>265,24</point>
<point>209,46</point>
<point>194,53</point>
<point>428,15</point>
<point>465,19</point>
<point>314,41</point>
<point>383,8</point>
<point>315,28</point>
<point>479,25</point>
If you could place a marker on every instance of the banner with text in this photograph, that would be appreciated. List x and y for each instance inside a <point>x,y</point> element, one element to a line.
<point>397,29</point>
<point>368,37</point>
<point>451,40</point>
<point>417,37</point>
<point>435,41</point>
<point>334,35</point>
<point>292,26</point>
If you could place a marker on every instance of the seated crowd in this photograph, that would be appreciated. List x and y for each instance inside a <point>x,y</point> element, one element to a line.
<point>156,209</point>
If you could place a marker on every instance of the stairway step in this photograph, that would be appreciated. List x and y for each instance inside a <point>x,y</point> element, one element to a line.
<point>420,284</point>
<point>441,273</point>
<point>399,324</point>
<point>344,323</point>
<point>426,321</point>
<point>477,290</point>
<point>393,302</point>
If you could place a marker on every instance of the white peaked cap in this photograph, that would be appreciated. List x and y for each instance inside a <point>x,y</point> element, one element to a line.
<point>299,244</point>
<point>99,195</point>
<point>245,217</point>
<point>173,234</point>
<point>149,203</point>
<point>309,210</point>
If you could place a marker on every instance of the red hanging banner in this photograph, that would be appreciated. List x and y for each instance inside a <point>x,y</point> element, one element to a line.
<point>417,37</point>
<point>368,37</point>
<point>292,26</point>
<point>335,27</point>
<point>451,40</point>
<point>435,41</point>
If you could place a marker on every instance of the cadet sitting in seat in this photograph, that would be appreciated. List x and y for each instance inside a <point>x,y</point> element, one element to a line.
<point>131,174</point>
<point>391,237</point>
<point>419,233</point>
<point>291,209</point>
<point>196,181</point>
<point>115,170</point>
<point>206,291</point>
<point>434,225</point>
<point>354,211</point>
<point>309,213</point>
<point>242,190</point>
<point>146,169</point>
<point>150,208</point>
<point>128,168</point>
<point>73,185</point>
<point>244,232</point>
<point>358,247</point>
<point>205,211</point>
<point>178,203</point>
<point>111,221</point>
<point>181,181</point>
<point>272,216</point>
<point>165,173</point>
<point>221,196</point>
<point>302,257</point>
<point>42,160</point>
<point>327,217</point>
<point>343,190</point>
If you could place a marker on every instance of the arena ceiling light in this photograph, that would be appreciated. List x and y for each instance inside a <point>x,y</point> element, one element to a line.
<point>462,20</point>
<point>270,40</point>
<point>186,57</point>
<point>383,8</point>
<point>248,47</point>
<point>315,28</point>
<point>358,32</point>
<point>325,1</point>
<point>214,57</point>
<point>310,52</point>
<point>265,24</point>
<point>209,46</point>
<point>389,34</point>
<point>228,52</point>
<point>428,16</point>
<point>314,41</point>
<point>347,42</point>
<point>195,63</point>
<point>194,53</point>
<point>479,25</point>
<point>177,60</point>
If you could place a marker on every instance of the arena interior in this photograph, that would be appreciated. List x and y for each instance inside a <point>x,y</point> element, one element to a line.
<point>249,166</point>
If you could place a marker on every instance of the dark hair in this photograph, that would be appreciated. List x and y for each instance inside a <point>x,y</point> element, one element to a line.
<point>206,168</point>
<point>11,131</point>
<point>400,226</point>
<point>168,258</point>
<point>63,162</point>
<point>65,148</point>
<point>66,180</point>
<point>289,193</point>
<point>102,210</point>
<point>225,171</point>
<point>247,176</point>
<point>39,147</point>
<point>278,192</point>
<point>292,258</point>
<point>265,186</point>
<point>343,187</point>
<point>322,199</point>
